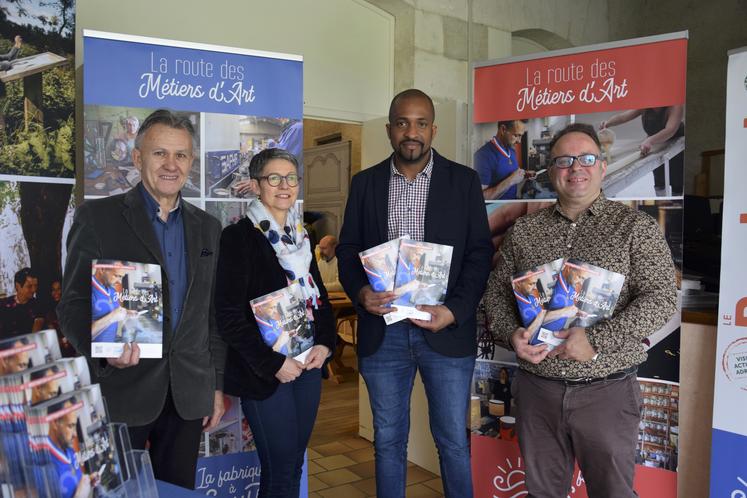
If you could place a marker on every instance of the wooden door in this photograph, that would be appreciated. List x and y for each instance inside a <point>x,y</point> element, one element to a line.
<point>326,182</point>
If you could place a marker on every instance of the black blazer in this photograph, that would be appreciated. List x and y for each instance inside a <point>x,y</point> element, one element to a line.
<point>248,268</point>
<point>119,227</point>
<point>455,215</point>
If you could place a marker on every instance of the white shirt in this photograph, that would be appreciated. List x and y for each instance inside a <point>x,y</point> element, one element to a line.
<point>328,271</point>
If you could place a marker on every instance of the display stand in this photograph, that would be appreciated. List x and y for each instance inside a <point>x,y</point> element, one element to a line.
<point>138,471</point>
<point>42,479</point>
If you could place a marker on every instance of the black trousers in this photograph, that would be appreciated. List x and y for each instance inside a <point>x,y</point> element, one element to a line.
<point>174,445</point>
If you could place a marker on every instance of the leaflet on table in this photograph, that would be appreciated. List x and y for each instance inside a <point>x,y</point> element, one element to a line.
<point>284,321</point>
<point>71,445</point>
<point>380,264</point>
<point>32,387</point>
<point>126,307</point>
<point>583,295</point>
<point>422,278</point>
<point>532,290</point>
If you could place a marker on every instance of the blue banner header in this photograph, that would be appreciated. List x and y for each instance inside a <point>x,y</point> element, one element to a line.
<point>132,74</point>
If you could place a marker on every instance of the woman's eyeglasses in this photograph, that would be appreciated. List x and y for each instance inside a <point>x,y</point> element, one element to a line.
<point>274,180</point>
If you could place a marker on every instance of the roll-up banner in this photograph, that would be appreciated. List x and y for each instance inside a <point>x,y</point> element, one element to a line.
<point>630,91</point>
<point>729,443</point>
<point>240,102</point>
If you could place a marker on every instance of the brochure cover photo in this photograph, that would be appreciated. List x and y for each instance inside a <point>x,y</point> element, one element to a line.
<point>32,387</point>
<point>532,290</point>
<point>49,381</point>
<point>71,445</point>
<point>26,351</point>
<point>283,322</point>
<point>583,295</point>
<point>422,278</point>
<point>126,307</point>
<point>380,264</point>
<point>592,290</point>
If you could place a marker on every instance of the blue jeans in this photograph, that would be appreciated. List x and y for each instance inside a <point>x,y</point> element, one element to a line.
<point>389,374</point>
<point>282,426</point>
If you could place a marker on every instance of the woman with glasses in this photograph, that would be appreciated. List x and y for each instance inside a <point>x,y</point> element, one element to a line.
<point>264,252</point>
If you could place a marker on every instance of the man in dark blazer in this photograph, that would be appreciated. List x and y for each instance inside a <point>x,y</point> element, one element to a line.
<point>166,401</point>
<point>419,193</point>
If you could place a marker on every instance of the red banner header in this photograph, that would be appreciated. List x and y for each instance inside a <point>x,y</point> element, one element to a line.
<point>631,77</point>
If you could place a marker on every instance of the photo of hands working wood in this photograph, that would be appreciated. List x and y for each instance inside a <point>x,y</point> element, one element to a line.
<point>643,148</point>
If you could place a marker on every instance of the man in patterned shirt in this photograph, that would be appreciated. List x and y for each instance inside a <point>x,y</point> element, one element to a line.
<point>581,400</point>
<point>419,193</point>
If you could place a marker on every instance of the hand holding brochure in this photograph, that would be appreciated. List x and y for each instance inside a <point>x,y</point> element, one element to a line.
<point>422,278</point>
<point>126,307</point>
<point>283,322</point>
<point>562,294</point>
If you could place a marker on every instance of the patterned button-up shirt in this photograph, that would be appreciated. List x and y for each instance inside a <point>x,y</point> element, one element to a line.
<point>609,235</point>
<point>407,201</point>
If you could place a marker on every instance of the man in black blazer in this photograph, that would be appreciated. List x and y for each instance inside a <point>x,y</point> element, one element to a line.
<point>419,193</point>
<point>166,401</point>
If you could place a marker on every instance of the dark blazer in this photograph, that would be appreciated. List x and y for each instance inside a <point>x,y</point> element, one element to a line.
<point>248,268</point>
<point>119,227</point>
<point>455,215</point>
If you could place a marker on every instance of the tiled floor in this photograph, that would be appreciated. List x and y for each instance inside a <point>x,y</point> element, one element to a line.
<point>341,464</point>
<point>346,469</point>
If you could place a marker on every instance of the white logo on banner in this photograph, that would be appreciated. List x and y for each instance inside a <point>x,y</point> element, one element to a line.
<point>734,362</point>
<point>740,493</point>
<point>509,483</point>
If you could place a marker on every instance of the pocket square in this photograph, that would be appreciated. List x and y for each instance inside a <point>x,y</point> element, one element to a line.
<point>206,252</point>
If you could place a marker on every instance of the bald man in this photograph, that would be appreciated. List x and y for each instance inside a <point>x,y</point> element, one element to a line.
<point>328,263</point>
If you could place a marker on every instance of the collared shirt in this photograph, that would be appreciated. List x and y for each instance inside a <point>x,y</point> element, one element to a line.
<point>170,235</point>
<point>610,235</point>
<point>407,201</point>
<point>330,276</point>
<point>495,162</point>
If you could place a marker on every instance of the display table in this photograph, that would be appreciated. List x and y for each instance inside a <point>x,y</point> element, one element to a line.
<point>166,490</point>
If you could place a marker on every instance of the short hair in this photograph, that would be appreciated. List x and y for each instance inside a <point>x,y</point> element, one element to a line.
<point>167,118</point>
<point>61,405</point>
<point>510,122</point>
<point>22,274</point>
<point>584,128</point>
<point>409,94</point>
<point>43,372</point>
<point>13,343</point>
<point>259,161</point>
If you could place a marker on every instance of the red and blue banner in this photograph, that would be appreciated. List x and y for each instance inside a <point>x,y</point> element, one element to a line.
<point>729,438</point>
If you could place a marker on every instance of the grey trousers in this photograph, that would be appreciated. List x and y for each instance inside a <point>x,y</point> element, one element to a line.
<point>595,424</point>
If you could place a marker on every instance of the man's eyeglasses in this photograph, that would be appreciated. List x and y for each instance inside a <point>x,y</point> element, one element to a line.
<point>274,180</point>
<point>565,162</point>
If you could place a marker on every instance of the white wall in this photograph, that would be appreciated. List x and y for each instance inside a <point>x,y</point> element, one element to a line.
<point>347,45</point>
<point>224,132</point>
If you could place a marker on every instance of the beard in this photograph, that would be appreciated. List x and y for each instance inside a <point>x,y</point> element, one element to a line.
<point>410,156</point>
